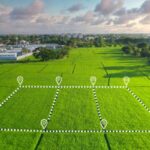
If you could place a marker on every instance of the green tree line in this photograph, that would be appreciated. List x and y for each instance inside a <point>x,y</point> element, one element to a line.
<point>141,49</point>
<point>85,41</point>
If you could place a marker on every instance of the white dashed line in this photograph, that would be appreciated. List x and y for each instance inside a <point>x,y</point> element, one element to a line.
<point>72,131</point>
<point>137,98</point>
<point>10,96</point>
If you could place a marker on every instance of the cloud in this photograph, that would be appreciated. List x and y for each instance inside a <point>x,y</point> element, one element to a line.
<point>113,12</point>
<point>87,18</point>
<point>120,12</point>
<point>125,16</point>
<point>5,10</point>
<point>75,8</point>
<point>145,20</point>
<point>28,12</point>
<point>4,14</point>
<point>131,25</point>
<point>48,20</point>
<point>102,21</point>
<point>107,7</point>
<point>145,8</point>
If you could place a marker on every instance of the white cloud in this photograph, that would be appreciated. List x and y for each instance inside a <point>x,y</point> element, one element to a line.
<point>87,18</point>
<point>107,7</point>
<point>146,20</point>
<point>76,7</point>
<point>145,8</point>
<point>29,12</point>
<point>48,20</point>
<point>4,14</point>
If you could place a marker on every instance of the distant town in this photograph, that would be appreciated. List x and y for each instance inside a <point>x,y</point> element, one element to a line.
<point>17,47</point>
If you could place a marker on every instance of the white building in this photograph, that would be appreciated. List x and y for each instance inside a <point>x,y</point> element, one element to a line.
<point>17,51</point>
<point>8,56</point>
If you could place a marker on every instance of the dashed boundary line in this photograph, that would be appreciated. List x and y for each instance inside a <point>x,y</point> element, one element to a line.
<point>97,104</point>
<point>71,131</point>
<point>48,119</point>
<point>72,86</point>
<point>53,104</point>
<point>138,99</point>
<point>10,96</point>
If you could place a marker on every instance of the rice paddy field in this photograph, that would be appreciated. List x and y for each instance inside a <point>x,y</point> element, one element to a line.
<point>75,108</point>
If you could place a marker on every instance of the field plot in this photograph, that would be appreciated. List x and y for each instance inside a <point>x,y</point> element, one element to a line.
<point>26,109</point>
<point>126,112</point>
<point>75,110</point>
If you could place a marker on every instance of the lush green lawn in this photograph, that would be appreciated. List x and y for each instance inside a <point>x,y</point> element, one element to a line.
<point>75,109</point>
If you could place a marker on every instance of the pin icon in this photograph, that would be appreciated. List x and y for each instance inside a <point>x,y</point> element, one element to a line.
<point>58,80</point>
<point>44,123</point>
<point>93,80</point>
<point>103,123</point>
<point>126,80</point>
<point>20,80</point>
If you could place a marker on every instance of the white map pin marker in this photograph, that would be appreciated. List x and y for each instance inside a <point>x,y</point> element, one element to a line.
<point>103,123</point>
<point>93,80</point>
<point>126,80</point>
<point>44,123</point>
<point>20,80</point>
<point>58,80</point>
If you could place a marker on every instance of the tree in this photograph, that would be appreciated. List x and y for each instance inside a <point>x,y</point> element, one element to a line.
<point>141,49</point>
<point>145,52</point>
<point>24,50</point>
<point>142,45</point>
<point>99,41</point>
<point>126,49</point>
<point>44,54</point>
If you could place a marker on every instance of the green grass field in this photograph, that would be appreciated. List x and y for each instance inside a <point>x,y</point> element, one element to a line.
<point>75,108</point>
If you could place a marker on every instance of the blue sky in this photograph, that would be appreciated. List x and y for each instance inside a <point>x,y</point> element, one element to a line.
<point>87,16</point>
<point>57,5</point>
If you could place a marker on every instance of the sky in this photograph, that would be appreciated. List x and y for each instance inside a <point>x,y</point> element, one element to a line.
<point>74,16</point>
